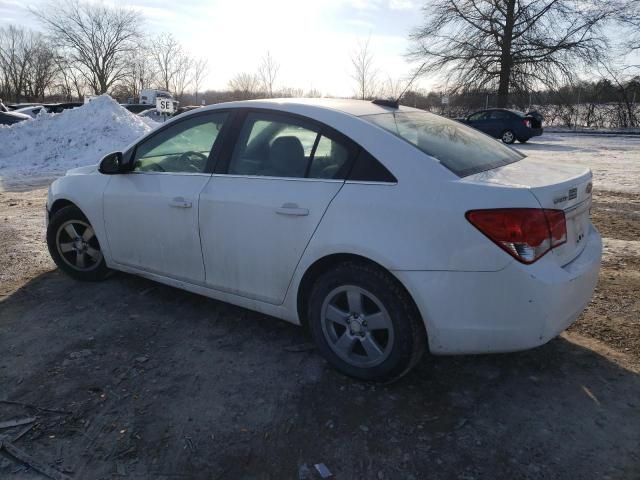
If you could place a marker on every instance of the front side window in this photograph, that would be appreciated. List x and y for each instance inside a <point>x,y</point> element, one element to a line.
<point>274,145</point>
<point>460,148</point>
<point>181,148</point>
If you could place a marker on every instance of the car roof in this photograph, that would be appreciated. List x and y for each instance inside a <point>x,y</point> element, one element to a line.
<point>344,105</point>
<point>517,112</point>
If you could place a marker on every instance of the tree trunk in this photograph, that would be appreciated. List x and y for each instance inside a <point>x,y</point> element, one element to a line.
<point>506,60</point>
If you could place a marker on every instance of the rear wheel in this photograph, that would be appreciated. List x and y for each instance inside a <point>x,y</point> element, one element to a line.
<point>508,137</point>
<point>73,245</point>
<point>364,323</point>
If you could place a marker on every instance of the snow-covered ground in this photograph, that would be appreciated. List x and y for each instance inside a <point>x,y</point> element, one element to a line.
<point>614,159</point>
<point>34,151</point>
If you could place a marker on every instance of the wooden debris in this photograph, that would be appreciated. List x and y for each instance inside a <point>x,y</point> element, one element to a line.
<point>17,422</point>
<point>27,459</point>
<point>35,407</point>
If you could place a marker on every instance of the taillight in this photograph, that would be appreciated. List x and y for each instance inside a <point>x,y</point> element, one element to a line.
<point>525,233</point>
<point>527,123</point>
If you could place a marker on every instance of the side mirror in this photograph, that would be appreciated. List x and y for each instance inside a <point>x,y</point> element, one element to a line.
<point>111,164</point>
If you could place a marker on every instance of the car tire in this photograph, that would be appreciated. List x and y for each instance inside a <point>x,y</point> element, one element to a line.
<point>74,246</point>
<point>508,137</point>
<point>345,303</point>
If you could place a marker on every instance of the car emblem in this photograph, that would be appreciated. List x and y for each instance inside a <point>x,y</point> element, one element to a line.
<point>589,187</point>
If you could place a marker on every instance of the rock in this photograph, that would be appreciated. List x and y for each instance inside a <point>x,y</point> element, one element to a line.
<point>364,428</point>
<point>142,359</point>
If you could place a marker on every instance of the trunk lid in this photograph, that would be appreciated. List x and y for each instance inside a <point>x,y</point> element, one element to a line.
<point>555,186</point>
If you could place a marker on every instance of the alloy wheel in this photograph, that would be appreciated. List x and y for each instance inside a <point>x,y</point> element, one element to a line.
<point>78,245</point>
<point>508,137</point>
<point>357,326</point>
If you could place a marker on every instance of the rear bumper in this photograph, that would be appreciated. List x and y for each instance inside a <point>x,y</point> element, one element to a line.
<point>519,307</point>
<point>532,132</point>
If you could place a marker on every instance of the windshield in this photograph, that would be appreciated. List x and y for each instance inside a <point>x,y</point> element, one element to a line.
<point>460,148</point>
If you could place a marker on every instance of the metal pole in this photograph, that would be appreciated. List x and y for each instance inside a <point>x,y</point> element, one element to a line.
<point>577,110</point>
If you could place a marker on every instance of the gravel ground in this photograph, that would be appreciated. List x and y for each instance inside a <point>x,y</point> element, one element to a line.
<point>152,382</point>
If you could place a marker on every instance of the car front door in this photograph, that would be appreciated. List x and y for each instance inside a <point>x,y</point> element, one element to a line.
<point>258,215</point>
<point>151,213</point>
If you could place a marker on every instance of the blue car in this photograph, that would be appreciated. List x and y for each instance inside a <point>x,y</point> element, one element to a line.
<point>507,125</point>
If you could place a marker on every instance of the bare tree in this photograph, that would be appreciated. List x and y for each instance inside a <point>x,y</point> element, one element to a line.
<point>140,73</point>
<point>245,84</point>
<point>16,51</point>
<point>313,93</point>
<point>97,37</point>
<point>268,72</point>
<point>510,44</point>
<point>364,71</point>
<point>42,71</point>
<point>166,51</point>
<point>183,75</point>
<point>628,15</point>
<point>393,88</point>
<point>200,71</point>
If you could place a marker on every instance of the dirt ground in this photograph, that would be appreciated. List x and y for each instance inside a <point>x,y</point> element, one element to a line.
<point>146,381</point>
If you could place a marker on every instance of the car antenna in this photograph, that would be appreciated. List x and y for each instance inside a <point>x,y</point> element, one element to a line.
<point>417,73</point>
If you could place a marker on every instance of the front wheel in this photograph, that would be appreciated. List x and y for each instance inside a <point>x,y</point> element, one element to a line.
<point>74,247</point>
<point>508,137</point>
<point>364,323</point>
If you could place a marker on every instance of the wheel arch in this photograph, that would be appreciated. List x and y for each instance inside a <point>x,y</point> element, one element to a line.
<point>326,263</point>
<point>61,203</point>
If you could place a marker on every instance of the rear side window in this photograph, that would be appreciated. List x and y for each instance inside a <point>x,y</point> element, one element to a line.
<point>368,169</point>
<point>500,115</point>
<point>273,146</point>
<point>460,148</point>
<point>329,159</point>
<point>276,145</point>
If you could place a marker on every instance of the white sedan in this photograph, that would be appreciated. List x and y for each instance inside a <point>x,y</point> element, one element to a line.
<point>384,230</point>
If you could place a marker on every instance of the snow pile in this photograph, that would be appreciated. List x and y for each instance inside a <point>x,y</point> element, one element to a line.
<point>50,144</point>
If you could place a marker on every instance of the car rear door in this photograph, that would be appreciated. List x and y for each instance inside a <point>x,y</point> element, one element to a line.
<point>151,213</point>
<point>259,211</point>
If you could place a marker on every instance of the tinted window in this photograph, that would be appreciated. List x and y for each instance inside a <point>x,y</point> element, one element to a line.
<point>368,169</point>
<point>500,115</point>
<point>461,149</point>
<point>281,146</point>
<point>183,147</point>
<point>478,116</point>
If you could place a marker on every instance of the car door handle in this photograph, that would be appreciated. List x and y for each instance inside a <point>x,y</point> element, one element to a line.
<point>292,209</point>
<point>180,202</point>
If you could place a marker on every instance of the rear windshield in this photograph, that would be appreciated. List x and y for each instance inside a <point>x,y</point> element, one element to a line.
<point>461,149</point>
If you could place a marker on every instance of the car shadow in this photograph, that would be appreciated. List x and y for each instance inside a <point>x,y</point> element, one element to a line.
<point>160,383</point>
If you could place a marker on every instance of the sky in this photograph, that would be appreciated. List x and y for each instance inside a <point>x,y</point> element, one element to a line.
<point>313,41</point>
